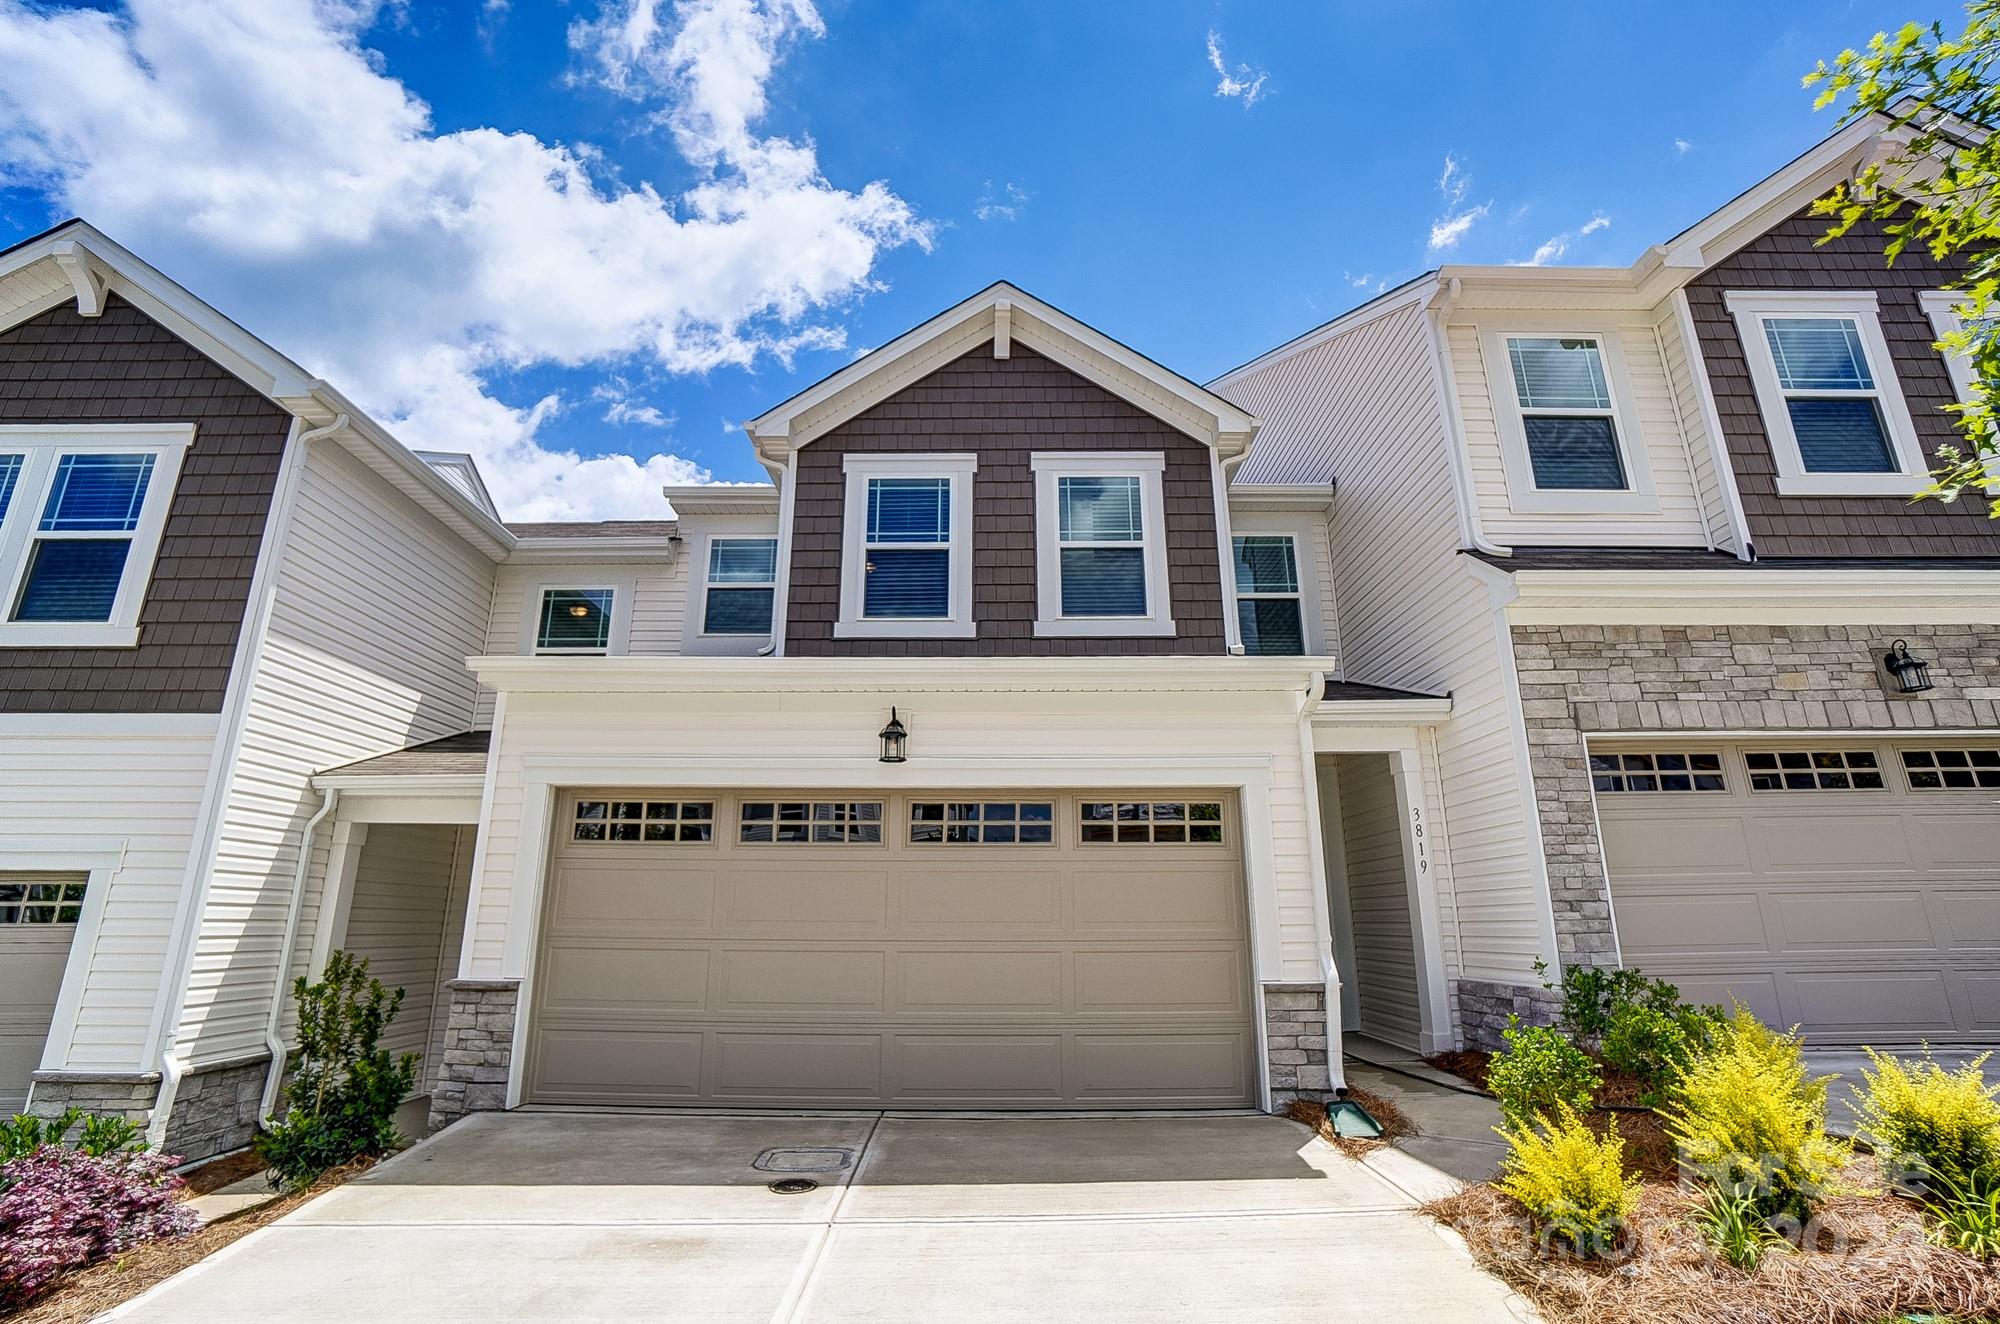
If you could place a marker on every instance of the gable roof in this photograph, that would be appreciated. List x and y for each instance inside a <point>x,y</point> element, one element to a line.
<point>76,261</point>
<point>999,315</point>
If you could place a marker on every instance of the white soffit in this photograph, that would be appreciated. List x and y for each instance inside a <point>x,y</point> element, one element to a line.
<point>1002,315</point>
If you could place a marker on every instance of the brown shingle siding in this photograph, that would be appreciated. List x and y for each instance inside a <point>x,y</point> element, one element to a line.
<point>122,367</point>
<point>1790,258</point>
<point>1003,410</point>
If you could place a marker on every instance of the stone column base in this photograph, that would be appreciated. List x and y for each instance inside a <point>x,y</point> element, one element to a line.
<point>1485,1009</point>
<point>126,1094</point>
<point>215,1109</point>
<point>1295,1039</point>
<point>478,1049</point>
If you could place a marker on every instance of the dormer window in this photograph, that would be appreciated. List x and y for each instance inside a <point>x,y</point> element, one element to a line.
<point>578,616</point>
<point>1101,560</point>
<point>81,514</point>
<point>906,568</point>
<point>1565,419</point>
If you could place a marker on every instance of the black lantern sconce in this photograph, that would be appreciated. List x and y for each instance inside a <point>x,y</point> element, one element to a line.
<point>895,736</point>
<point>1913,674</point>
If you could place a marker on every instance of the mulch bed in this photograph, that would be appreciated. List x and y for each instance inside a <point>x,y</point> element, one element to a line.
<point>220,1172</point>
<point>1468,1064</point>
<point>90,1292</point>
<point>1872,1263</point>
<point>1396,1124</point>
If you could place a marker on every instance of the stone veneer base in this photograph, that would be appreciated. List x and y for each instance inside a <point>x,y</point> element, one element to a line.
<point>1485,1009</point>
<point>478,1049</point>
<point>215,1109</point>
<point>1295,1039</point>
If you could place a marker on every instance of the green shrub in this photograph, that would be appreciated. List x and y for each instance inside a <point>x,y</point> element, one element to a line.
<point>1655,1045</point>
<point>1747,1116</point>
<point>1929,1120</point>
<point>98,1135</point>
<point>1540,1072</point>
<point>344,1095</point>
<point>1593,998</point>
<point>1571,1179</point>
<point>1728,1216</point>
<point>1967,1213</point>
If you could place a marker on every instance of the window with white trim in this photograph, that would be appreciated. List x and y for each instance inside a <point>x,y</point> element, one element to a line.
<point>741,586</point>
<point>1100,554</point>
<point>575,621</point>
<point>906,563</point>
<point>1567,418</point>
<point>983,822</point>
<point>1827,389</point>
<point>1814,770</point>
<point>1658,770</point>
<point>1269,609</point>
<point>81,514</point>
<point>1952,769</point>
<point>810,822</point>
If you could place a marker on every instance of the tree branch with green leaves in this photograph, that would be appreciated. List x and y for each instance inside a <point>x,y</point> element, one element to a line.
<point>1938,188</point>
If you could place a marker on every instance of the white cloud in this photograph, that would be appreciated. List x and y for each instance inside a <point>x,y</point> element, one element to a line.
<point>620,407</point>
<point>1552,248</point>
<point>1682,147</point>
<point>1452,185</point>
<point>260,153</point>
<point>1243,83</point>
<point>1004,205</point>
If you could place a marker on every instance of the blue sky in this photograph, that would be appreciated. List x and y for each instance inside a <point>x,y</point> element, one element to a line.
<point>524,273</point>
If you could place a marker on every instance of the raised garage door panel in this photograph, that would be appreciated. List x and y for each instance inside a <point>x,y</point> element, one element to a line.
<point>987,975</point>
<point>38,915</point>
<point>1862,915</point>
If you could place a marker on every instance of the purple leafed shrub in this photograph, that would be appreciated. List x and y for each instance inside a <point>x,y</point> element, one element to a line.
<point>63,1209</point>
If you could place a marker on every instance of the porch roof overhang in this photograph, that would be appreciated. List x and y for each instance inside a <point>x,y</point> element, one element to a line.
<point>435,781</point>
<point>1350,703</point>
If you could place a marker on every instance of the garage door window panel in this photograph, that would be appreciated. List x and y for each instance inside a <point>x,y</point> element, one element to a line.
<point>644,820</point>
<point>811,823</point>
<point>984,823</point>
<point>1657,771</point>
<point>1952,769</point>
<point>41,902</point>
<point>1150,822</point>
<point>1814,770</point>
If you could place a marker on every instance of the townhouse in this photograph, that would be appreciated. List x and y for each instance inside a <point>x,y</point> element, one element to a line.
<point>1052,731</point>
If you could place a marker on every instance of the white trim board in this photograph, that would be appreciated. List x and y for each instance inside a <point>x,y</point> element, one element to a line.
<point>1915,596</point>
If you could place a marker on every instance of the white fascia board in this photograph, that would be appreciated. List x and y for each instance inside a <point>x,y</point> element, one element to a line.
<point>875,675</point>
<point>1042,327</point>
<point>423,785</point>
<point>618,550</point>
<point>722,499</point>
<point>1282,496</point>
<point>1915,596</point>
<point>1381,712</point>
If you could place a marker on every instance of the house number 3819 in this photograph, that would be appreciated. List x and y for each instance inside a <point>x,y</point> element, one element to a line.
<point>1417,836</point>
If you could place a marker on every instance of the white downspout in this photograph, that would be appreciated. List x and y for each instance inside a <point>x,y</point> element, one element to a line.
<point>275,1073</point>
<point>1447,385</point>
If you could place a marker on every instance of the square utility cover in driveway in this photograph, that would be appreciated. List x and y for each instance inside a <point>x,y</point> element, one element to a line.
<point>570,1217</point>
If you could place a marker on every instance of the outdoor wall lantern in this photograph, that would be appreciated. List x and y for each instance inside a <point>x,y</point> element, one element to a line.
<point>896,735</point>
<point>1913,674</point>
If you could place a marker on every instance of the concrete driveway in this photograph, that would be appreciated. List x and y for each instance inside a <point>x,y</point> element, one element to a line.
<point>585,1216</point>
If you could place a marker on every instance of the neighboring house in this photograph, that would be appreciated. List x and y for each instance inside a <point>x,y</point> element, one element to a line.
<point>1651,527</point>
<point>1051,732</point>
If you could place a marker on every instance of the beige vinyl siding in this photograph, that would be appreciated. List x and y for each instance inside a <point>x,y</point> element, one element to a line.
<point>1363,410</point>
<point>143,791</point>
<point>407,917</point>
<point>1703,451</point>
<point>1378,900</point>
<point>1679,519</point>
<point>377,607</point>
<point>674,735</point>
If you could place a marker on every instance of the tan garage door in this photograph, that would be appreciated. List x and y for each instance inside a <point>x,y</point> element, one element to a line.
<point>1025,950</point>
<point>1848,886</point>
<point>38,918</point>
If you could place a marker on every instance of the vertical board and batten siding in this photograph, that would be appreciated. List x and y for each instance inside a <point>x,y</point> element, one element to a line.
<point>1704,453</point>
<point>407,916</point>
<point>147,792</point>
<point>1378,900</point>
<point>1677,523</point>
<point>1007,728</point>
<point>659,607</point>
<point>1362,410</point>
<point>377,607</point>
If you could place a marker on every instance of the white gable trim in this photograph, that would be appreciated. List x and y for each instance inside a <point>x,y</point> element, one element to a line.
<point>1002,316</point>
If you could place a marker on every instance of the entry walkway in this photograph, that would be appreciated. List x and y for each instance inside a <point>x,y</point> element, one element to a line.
<point>542,1216</point>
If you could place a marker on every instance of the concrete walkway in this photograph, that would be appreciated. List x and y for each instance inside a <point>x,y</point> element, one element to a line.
<point>1455,1122</point>
<point>579,1216</point>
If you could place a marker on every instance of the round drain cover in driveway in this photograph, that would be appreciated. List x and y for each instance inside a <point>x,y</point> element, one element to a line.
<point>793,1186</point>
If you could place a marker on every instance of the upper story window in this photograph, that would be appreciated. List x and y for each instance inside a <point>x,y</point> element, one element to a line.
<point>740,587</point>
<point>575,620</point>
<point>1269,608</point>
<point>1101,561</point>
<point>81,514</point>
<point>906,571</point>
<point>1565,421</point>
<point>1827,388</point>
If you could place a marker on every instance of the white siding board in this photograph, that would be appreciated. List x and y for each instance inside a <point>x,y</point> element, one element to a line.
<point>1708,477</point>
<point>403,919</point>
<point>377,607</point>
<point>1378,900</point>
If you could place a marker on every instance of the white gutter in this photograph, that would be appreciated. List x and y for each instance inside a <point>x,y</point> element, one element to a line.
<point>1309,706</point>
<point>275,1073</point>
<point>1435,311</point>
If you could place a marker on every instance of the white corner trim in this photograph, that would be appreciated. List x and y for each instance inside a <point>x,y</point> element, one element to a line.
<point>1750,308</point>
<point>958,468</point>
<point>1523,495</point>
<point>1711,421</point>
<point>1149,467</point>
